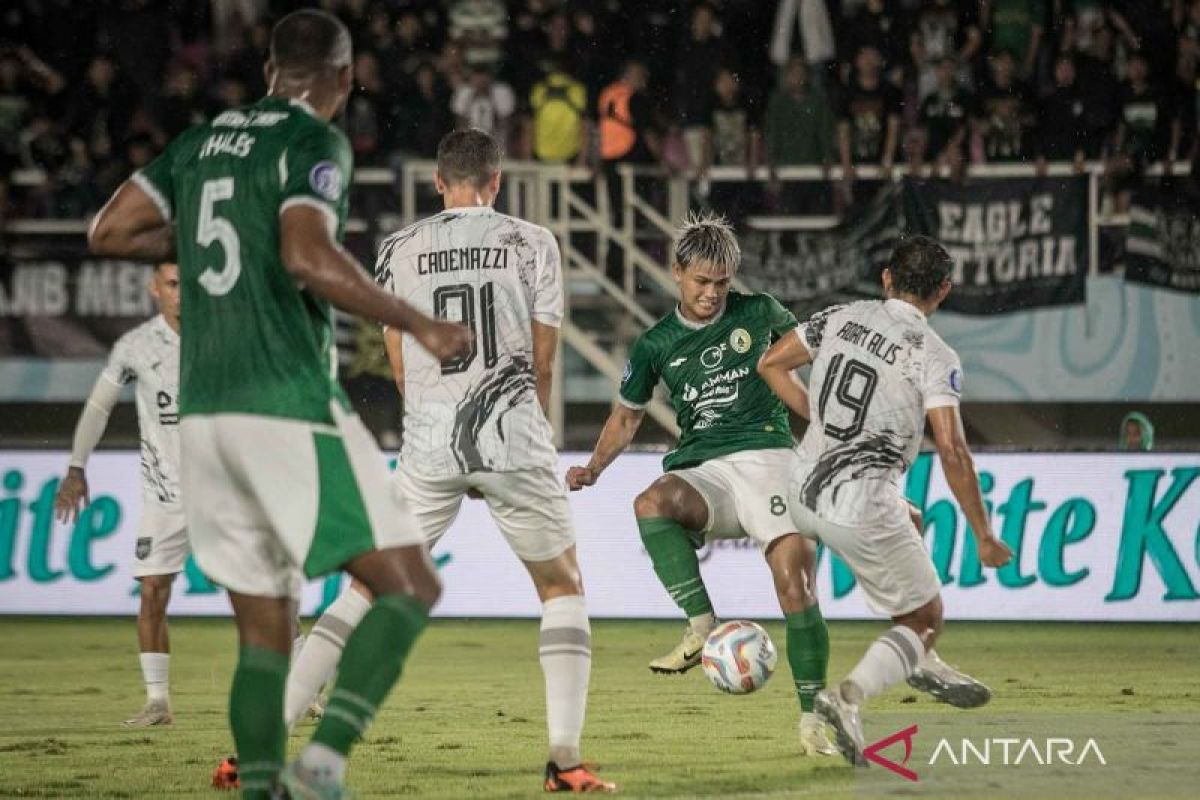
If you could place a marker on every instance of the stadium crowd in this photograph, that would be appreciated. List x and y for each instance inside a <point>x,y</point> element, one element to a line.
<point>91,91</point>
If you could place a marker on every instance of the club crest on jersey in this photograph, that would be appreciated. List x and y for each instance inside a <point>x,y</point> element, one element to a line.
<point>326,180</point>
<point>740,340</point>
<point>956,377</point>
<point>690,393</point>
<point>143,547</point>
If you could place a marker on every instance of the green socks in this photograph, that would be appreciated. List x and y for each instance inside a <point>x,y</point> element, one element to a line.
<point>808,653</point>
<point>676,564</point>
<point>256,716</point>
<point>370,666</point>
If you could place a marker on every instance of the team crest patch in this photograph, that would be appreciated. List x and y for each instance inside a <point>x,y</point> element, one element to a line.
<point>956,377</point>
<point>326,180</point>
<point>143,547</point>
<point>740,340</point>
<point>625,376</point>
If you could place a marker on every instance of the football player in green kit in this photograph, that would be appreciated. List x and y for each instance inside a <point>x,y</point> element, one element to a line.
<point>278,474</point>
<point>728,478</point>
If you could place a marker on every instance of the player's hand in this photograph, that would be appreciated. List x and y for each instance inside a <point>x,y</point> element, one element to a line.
<point>993,552</point>
<point>444,340</point>
<point>579,477</point>
<point>72,495</point>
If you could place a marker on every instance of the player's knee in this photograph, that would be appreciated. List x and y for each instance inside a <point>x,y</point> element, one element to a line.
<point>649,504</point>
<point>156,592</point>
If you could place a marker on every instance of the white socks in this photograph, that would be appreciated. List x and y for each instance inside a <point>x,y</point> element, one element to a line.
<point>323,761</point>
<point>321,653</point>
<point>703,624</point>
<point>155,667</point>
<point>890,659</point>
<point>565,650</point>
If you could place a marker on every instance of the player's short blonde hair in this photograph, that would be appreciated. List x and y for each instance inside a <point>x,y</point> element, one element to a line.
<point>707,238</point>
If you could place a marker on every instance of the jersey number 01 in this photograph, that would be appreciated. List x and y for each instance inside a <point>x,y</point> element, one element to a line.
<point>457,303</point>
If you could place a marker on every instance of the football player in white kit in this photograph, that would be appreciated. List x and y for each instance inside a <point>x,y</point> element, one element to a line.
<point>477,425</point>
<point>879,371</point>
<point>148,354</point>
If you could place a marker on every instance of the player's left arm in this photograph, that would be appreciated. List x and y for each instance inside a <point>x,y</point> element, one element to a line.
<point>393,343</point>
<point>545,347</point>
<point>547,313</point>
<point>776,366</point>
<point>131,225</point>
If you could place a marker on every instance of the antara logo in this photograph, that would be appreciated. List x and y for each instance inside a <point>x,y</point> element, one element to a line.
<point>998,751</point>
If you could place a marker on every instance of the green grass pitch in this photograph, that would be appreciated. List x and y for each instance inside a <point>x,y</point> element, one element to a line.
<point>467,718</point>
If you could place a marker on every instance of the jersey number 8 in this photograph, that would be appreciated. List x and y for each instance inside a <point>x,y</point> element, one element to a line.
<point>457,304</point>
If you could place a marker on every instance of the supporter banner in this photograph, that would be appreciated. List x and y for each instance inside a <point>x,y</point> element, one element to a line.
<point>1162,247</point>
<point>1096,537</point>
<point>69,306</point>
<point>797,265</point>
<point>1017,243</point>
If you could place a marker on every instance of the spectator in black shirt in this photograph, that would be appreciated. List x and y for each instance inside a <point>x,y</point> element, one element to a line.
<point>181,106</point>
<point>699,59</point>
<point>1147,131</point>
<point>1061,132</point>
<point>1006,115</point>
<point>869,118</point>
<point>425,113</point>
<point>1099,89</point>
<point>100,111</point>
<point>944,29</point>
<point>945,118</point>
<point>369,112</point>
<point>876,24</point>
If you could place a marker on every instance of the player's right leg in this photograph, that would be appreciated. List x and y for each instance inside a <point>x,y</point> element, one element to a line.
<point>897,577</point>
<point>160,554</point>
<point>531,509</point>
<point>672,516</point>
<point>317,660</point>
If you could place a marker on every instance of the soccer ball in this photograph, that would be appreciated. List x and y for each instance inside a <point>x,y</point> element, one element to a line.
<point>738,657</point>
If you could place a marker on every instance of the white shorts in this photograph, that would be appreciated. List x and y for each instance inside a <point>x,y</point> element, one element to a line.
<point>746,494</point>
<point>162,541</point>
<point>529,507</point>
<point>266,497</point>
<point>888,557</point>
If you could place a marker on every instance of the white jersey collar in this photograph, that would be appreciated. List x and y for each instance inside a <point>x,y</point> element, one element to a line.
<point>468,210</point>
<point>160,322</point>
<point>904,308</point>
<point>687,323</point>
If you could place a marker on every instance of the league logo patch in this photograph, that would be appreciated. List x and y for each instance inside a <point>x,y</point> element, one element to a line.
<point>956,377</point>
<point>143,547</point>
<point>326,180</point>
<point>740,340</point>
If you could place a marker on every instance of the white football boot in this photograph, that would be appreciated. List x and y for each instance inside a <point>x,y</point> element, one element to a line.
<point>683,657</point>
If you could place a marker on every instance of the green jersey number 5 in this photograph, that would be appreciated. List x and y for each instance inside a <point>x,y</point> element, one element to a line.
<point>215,229</point>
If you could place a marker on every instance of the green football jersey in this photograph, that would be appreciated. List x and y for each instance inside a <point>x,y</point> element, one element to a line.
<point>721,404</point>
<point>253,341</point>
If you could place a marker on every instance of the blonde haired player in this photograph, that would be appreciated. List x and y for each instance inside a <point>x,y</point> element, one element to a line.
<point>727,478</point>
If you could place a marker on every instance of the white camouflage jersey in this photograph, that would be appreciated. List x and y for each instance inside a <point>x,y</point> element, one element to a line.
<point>496,274</point>
<point>877,368</point>
<point>149,354</point>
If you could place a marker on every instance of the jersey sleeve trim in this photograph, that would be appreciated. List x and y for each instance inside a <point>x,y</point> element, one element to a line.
<point>941,401</point>
<point>630,404</point>
<point>156,197</point>
<point>548,318</point>
<point>331,220</point>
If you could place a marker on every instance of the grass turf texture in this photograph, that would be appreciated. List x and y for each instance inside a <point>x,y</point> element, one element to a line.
<point>467,719</point>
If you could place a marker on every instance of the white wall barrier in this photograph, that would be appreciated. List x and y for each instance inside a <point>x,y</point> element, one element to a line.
<point>1098,537</point>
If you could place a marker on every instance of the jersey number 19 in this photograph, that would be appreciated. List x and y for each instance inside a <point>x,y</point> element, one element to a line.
<point>853,394</point>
